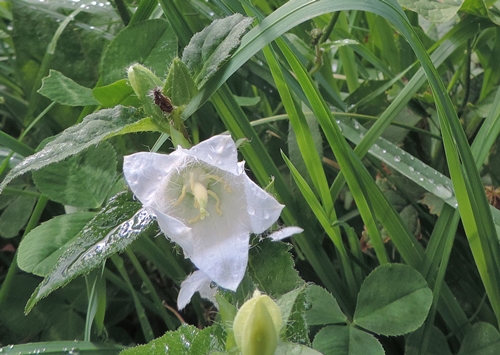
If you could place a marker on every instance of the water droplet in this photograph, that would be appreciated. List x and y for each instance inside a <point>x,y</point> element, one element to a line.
<point>403,153</point>
<point>362,135</point>
<point>421,179</point>
<point>266,215</point>
<point>384,151</point>
<point>442,192</point>
<point>251,210</point>
<point>431,181</point>
<point>411,168</point>
<point>412,157</point>
<point>356,125</point>
<point>397,158</point>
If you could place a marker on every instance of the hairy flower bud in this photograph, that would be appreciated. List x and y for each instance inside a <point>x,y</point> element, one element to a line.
<point>257,326</point>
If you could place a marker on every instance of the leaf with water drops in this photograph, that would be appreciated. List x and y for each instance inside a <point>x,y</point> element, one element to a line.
<point>112,230</point>
<point>96,127</point>
<point>186,340</point>
<point>41,248</point>
<point>208,49</point>
<point>70,347</point>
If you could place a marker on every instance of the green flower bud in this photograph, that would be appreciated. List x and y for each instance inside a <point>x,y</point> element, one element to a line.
<point>257,326</point>
<point>143,81</point>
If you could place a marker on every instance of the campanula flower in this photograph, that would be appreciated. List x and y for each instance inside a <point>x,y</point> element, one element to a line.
<point>204,201</point>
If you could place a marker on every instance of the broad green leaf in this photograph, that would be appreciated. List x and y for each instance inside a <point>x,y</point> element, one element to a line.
<point>186,340</point>
<point>62,347</point>
<point>82,180</point>
<point>481,339</point>
<point>116,93</point>
<point>65,91</point>
<point>41,248</point>
<point>324,308</point>
<point>437,343</point>
<point>346,340</point>
<point>152,43</point>
<point>179,86</point>
<point>293,306</point>
<point>273,256</point>
<point>433,10</point>
<point>15,216</point>
<point>210,48</point>
<point>287,348</point>
<point>112,230</point>
<point>94,128</point>
<point>394,300</point>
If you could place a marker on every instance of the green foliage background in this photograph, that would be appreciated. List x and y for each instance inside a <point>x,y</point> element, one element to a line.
<point>376,121</point>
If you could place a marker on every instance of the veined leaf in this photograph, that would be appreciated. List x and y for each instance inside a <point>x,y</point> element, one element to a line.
<point>208,49</point>
<point>94,128</point>
<point>112,230</point>
<point>65,91</point>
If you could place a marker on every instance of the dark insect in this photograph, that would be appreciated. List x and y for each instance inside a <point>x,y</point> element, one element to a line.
<point>162,101</point>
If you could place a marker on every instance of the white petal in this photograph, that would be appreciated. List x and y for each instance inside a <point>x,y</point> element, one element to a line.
<point>219,151</point>
<point>175,230</point>
<point>223,256</point>
<point>262,208</point>
<point>284,233</point>
<point>196,282</point>
<point>146,174</point>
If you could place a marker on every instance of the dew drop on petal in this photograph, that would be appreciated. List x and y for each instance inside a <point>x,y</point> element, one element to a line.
<point>251,210</point>
<point>266,215</point>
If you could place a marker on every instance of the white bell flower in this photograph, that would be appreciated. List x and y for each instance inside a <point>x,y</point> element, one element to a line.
<point>204,201</point>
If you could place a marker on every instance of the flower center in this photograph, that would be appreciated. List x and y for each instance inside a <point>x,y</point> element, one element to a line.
<point>198,183</point>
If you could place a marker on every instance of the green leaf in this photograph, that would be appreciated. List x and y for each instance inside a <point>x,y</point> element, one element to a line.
<point>287,348</point>
<point>179,86</point>
<point>324,308</point>
<point>83,180</point>
<point>393,300</point>
<point>41,248</point>
<point>210,48</point>
<point>437,343</point>
<point>112,230</point>
<point>94,128</point>
<point>481,339</point>
<point>346,340</point>
<point>273,256</point>
<point>65,91</point>
<point>152,43</point>
<point>433,10</point>
<point>247,101</point>
<point>15,216</point>
<point>62,347</point>
<point>117,93</point>
<point>186,340</point>
<point>293,305</point>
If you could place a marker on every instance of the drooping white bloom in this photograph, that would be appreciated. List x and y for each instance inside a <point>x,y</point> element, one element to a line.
<point>196,282</point>
<point>204,201</point>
